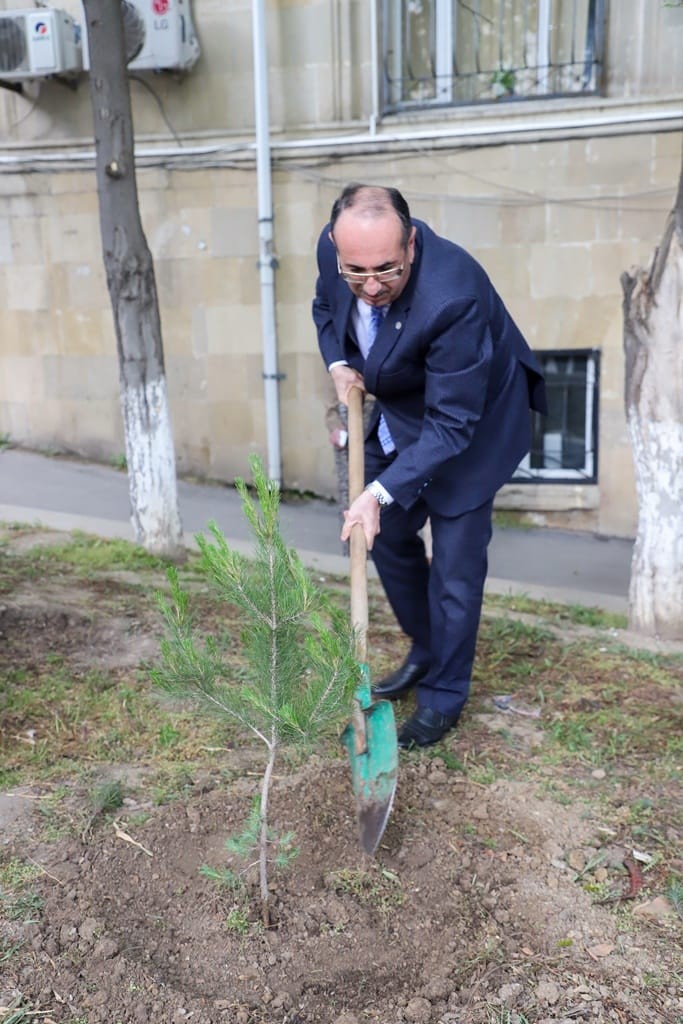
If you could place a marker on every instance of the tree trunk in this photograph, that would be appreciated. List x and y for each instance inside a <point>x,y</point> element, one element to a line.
<point>653,349</point>
<point>150,452</point>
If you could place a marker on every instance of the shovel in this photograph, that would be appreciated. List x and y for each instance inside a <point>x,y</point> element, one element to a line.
<point>370,736</point>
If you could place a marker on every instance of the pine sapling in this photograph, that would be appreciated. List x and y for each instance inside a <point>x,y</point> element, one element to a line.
<point>300,670</point>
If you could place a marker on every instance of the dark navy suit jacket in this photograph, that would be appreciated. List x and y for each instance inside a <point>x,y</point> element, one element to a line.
<point>451,371</point>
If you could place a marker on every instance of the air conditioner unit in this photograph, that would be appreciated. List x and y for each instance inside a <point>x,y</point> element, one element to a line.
<point>159,32</point>
<point>38,42</point>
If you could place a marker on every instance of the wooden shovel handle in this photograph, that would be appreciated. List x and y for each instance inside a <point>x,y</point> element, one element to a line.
<point>357,545</point>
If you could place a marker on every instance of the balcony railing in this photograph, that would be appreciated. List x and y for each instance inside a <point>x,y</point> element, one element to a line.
<point>454,52</point>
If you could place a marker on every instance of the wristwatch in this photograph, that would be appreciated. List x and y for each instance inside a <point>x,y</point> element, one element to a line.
<point>377,492</point>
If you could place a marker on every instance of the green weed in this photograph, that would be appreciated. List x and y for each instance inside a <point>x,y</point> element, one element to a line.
<point>376,887</point>
<point>167,736</point>
<point>674,894</point>
<point>8,951</point>
<point>16,1013</point>
<point>505,1016</point>
<point>237,921</point>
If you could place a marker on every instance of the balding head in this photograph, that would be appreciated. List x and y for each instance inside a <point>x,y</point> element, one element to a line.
<point>373,202</point>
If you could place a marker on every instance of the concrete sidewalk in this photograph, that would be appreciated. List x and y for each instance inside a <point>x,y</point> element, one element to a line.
<point>69,494</point>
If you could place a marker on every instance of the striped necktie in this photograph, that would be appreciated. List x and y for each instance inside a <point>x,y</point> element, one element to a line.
<point>377,314</point>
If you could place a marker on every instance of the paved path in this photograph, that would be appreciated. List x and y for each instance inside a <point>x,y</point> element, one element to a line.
<point>67,494</point>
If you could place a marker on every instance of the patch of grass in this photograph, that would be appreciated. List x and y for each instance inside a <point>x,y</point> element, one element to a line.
<point>451,762</point>
<point>377,887</point>
<point>17,902</point>
<point>52,718</point>
<point>485,773</point>
<point>508,519</point>
<point>105,798</point>
<point>171,783</point>
<point>556,613</point>
<point>91,554</point>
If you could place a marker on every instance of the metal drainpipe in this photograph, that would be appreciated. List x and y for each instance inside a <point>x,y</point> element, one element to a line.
<point>267,261</point>
<point>374,69</point>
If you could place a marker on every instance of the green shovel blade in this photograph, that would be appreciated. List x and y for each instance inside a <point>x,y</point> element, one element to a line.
<point>370,739</point>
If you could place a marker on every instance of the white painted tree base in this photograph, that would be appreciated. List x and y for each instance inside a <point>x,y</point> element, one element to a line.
<point>653,338</point>
<point>150,455</point>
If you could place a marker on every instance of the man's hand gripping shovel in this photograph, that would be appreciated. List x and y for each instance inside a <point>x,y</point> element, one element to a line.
<point>370,736</point>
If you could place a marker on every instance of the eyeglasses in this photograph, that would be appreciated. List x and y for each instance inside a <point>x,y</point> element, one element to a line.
<point>383,276</point>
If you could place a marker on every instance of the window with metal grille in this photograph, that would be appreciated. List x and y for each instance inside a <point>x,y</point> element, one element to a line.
<point>449,52</point>
<point>564,443</point>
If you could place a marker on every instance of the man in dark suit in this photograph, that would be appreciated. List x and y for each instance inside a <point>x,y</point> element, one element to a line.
<point>413,319</point>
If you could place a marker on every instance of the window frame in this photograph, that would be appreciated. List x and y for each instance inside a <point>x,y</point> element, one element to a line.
<point>444,58</point>
<point>525,474</point>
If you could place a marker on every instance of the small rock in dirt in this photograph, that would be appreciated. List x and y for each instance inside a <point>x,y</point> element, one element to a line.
<point>418,856</point>
<point>438,988</point>
<point>347,1018</point>
<point>90,929</point>
<point>656,908</point>
<point>419,1010</point>
<point>282,1001</point>
<point>336,913</point>
<point>508,993</point>
<point>106,949</point>
<point>614,856</point>
<point>67,934</point>
<point>576,860</point>
<point>547,992</point>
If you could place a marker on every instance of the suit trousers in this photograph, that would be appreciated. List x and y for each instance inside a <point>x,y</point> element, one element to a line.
<point>437,605</point>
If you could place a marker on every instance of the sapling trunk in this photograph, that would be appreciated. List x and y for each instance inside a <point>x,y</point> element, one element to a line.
<point>263,831</point>
<point>297,670</point>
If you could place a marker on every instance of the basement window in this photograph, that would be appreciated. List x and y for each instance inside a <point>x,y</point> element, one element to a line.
<point>564,443</point>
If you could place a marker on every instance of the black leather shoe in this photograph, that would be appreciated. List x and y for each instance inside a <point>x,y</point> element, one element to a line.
<point>424,726</point>
<point>400,681</point>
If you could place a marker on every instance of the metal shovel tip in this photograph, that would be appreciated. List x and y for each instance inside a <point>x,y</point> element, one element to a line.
<point>372,821</point>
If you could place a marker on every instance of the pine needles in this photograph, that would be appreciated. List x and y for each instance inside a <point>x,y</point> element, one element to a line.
<point>300,671</point>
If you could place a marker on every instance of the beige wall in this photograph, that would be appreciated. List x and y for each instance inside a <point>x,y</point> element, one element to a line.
<point>555,215</point>
<point>320,68</point>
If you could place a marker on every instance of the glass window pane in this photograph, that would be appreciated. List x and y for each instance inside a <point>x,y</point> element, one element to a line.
<point>563,442</point>
<point>499,50</point>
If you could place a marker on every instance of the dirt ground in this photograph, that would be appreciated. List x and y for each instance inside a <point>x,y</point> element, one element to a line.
<point>499,895</point>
